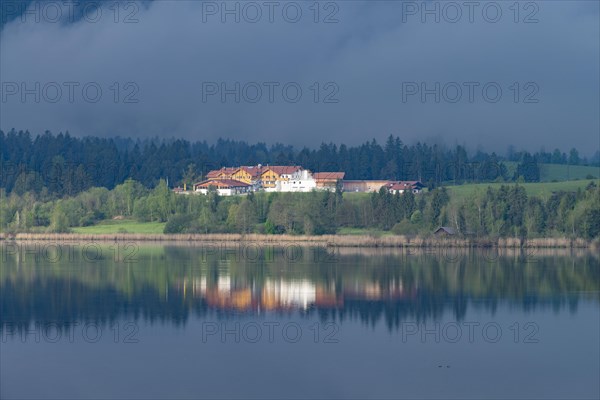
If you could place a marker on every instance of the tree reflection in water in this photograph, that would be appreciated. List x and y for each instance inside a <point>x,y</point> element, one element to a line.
<point>167,284</point>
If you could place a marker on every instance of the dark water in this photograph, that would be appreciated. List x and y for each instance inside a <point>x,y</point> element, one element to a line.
<point>83,321</point>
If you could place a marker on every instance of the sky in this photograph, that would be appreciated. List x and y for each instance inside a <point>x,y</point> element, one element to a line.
<point>480,74</point>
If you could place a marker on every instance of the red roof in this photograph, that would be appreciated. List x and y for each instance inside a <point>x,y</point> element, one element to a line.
<point>283,169</point>
<point>403,185</point>
<point>221,183</point>
<point>225,170</point>
<point>326,176</point>
<point>254,171</point>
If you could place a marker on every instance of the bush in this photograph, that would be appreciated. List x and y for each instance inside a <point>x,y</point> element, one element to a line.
<point>405,227</point>
<point>59,221</point>
<point>269,228</point>
<point>88,219</point>
<point>177,223</point>
<point>416,217</point>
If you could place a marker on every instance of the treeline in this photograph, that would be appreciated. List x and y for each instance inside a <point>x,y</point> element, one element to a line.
<point>504,212</point>
<point>554,157</point>
<point>56,165</point>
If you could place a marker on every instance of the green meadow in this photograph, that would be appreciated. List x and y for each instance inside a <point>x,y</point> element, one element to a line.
<point>559,172</point>
<point>121,226</point>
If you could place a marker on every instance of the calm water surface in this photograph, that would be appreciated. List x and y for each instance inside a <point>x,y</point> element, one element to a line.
<point>140,321</point>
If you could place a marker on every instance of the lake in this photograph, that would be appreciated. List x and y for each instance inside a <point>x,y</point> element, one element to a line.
<point>134,320</point>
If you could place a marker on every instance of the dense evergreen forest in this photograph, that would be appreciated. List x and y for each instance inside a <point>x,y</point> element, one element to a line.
<point>61,164</point>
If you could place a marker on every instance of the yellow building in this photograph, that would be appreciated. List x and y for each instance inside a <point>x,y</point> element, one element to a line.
<point>249,175</point>
<point>271,175</point>
<point>223,173</point>
<point>246,174</point>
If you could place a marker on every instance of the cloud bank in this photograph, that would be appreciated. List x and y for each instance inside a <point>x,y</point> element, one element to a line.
<point>481,75</point>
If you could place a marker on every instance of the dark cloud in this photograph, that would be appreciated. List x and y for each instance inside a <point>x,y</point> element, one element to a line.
<point>364,61</point>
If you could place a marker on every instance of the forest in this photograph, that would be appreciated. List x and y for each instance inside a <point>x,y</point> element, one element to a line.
<point>53,183</point>
<point>504,212</point>
<point>58,165</point>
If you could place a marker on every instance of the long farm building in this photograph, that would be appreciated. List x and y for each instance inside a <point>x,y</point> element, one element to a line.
<point>229,181</point>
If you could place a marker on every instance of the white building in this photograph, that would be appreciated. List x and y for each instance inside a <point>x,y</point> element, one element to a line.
<point>405,186</point>
<point>294,293</point>
<point>223,187</point>
<point>298,181</point>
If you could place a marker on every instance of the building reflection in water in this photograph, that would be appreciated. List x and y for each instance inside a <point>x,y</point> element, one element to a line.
<point>288,294</point>
<point>174,283</point>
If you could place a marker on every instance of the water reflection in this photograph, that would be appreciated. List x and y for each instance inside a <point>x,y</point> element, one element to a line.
<point>185,321</point>
<point>171,283</point>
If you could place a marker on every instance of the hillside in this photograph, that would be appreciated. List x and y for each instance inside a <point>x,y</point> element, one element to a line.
<point>559,172</point>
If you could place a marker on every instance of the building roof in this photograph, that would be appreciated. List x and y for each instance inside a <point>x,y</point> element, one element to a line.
<point>282,169</point>
<point>368,181</point>
<point>253,171</point>
<point>446,229</point>
<point>224,170</point>
<point>221,183</point>
<point>403,185</point>
<point>417,183</point>
<point>326,176</point>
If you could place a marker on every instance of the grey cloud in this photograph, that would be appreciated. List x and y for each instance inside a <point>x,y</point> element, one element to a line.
<point>369,53</point>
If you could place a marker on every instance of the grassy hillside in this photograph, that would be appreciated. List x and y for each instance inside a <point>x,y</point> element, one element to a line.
<point>558,172</point>
<point>555,172</point>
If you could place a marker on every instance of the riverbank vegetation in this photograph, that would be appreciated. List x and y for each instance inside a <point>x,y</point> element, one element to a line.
<point>487,212</point>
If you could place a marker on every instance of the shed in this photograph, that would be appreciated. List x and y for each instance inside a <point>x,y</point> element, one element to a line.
<point>444,231</point>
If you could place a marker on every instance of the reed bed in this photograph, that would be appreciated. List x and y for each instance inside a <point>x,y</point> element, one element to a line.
<point>324,240</point>
<point>462,253</point>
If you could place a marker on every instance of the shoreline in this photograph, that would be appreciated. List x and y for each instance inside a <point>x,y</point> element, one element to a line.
<point>323,240</point>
